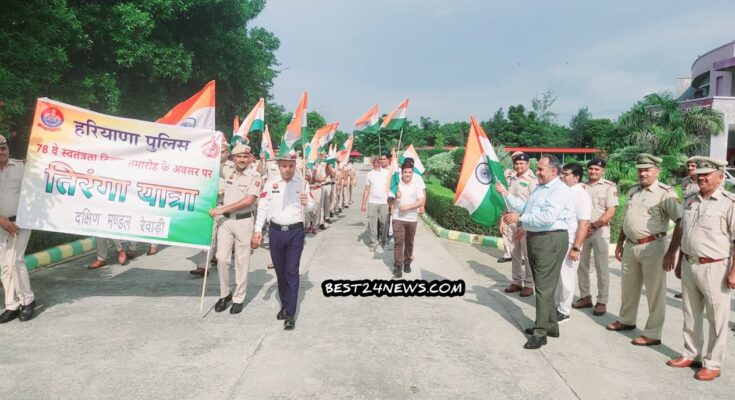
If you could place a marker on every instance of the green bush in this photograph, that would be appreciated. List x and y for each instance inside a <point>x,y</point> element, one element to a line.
<point>440,206</point>
<point>426,154</point>
<point>458,155</point>
<point>442,167</point>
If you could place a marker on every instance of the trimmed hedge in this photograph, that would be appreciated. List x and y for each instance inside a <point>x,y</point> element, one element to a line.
<point>42,240</point>
<point>440,206</point>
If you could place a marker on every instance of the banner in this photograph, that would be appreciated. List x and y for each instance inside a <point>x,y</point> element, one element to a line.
<point>94,174</point>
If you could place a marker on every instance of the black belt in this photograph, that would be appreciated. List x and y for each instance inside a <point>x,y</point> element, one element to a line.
<point>284,228</point>
<point>532,234</point>
<point>11,219</point>
<point>238,216</point>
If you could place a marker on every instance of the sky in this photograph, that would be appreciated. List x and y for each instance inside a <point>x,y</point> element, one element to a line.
<point>471,57</point>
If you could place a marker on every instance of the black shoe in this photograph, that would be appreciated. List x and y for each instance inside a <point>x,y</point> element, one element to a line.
<point>504,259</point>
<point>677,296</point>
<point>213,262</point>
<point>9,315</point>
<point>26,312</point>
<point>222,303</point>
<point>236,308</point>
<point>535,342</point>
<point>407,268</point>
<point>281,315</point>
<point>529,332</point>
<point>331,215</point>
<point>290,323</point>
<point>327,220</point>
<point>561,317</point>
<point>397,272</point>
<point>322,227</point>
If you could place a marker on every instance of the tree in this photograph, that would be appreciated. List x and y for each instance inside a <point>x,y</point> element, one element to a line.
<point>579,127</point>
<point>542,107</point>
<point>131,58</point>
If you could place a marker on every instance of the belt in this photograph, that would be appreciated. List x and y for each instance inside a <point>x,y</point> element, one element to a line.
<point>284,228</point>
<point>648,239</point>
<point>329,183</point>
<point>702,260</point>
<point>11,219</point>
<point>316,186</point>
<point>532,234</point>
<point>238,216</point>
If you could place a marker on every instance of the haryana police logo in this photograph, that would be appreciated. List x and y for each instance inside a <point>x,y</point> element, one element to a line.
<point>482,173</point>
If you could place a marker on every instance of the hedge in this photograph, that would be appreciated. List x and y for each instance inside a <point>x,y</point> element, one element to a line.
<point>440,206</point>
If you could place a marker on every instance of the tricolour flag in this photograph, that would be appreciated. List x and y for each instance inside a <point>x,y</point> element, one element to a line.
<point>235,128</point>
<point>254,122</point>
<point>410,152</point>
<point>344,151</point>
<point>395,176</point>
<point>480,170</point>
<point>266,147</point>
<point>196,112</point>
<point>397,118</point>
<point>369,121</point>
<point>332,156</point>
<point>325,134</point>
<point>296,128</point>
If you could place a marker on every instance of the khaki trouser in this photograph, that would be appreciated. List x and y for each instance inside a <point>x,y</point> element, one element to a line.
<point>327,194</point>
<point>18,292</point>
<point>314,217</point>
<point>102,244</point>
<point>599,243</point>
<point>337,197</point>
<point>237,234</point>
<point>520,273</point>
<point>642,264</point>
<point>704,287</point>
<point>508,243</point>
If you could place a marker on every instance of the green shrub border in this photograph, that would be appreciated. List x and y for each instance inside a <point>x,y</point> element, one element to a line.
<point>59,253</point>
<point>464,237</point>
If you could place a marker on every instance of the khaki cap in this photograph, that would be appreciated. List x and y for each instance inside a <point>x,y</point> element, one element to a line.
<point>693,159</point>
<point>240,148</point>
<point>645,160</point>
<point>705,165</point>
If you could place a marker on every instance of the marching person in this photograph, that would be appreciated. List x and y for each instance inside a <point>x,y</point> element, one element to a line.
<point>581,212</point>
<point>375,202</point>
<point>328,191</point>
<point>241,191</point>
<point>641,247</point>
<point>604,195</point>
<point>409,198</point>
<point>19,298</point>
<point>282,204</point>
<point>520,185</point>
<point>706,269</point>
<point>314,217</point>
<point>544,217</point>
<point>123,256</point>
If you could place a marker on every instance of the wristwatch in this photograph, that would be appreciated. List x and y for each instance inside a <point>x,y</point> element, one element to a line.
<point>575,248</point>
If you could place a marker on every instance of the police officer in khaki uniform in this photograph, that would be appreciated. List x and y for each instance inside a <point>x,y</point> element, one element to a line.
<point>604,196</point>
<point>504,231</point>
<point>315,179</point>
<point>520,185</point>
<point>19,298</point>
<point>641,247</point>
<point>242,189</point>
<point>689,184</point>
<point>706,270</point>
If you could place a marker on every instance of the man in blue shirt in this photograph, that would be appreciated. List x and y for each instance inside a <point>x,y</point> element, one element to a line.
<point>544,220</point>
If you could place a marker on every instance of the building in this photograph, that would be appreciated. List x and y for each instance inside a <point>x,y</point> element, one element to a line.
<point>712,84</point>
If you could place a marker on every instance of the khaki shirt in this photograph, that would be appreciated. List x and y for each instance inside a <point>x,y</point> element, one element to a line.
<point>522,186</point>
<point>708,226</point>
<point>604,194</point>
<point>649,210</point>
<point>239,186</point>
<point>690,186</point>
<point>11,178</point>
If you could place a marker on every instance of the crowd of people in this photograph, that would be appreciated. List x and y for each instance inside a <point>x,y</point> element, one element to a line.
<point>558,223</point>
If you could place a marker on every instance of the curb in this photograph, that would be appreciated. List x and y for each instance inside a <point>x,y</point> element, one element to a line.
<point>58,253</point>
<point>464,237</point>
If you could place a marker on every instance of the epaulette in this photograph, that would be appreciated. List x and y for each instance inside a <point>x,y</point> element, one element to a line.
<point>608,182</point>
<point>665,187</point>
<point>691,195</point>
<point>729,195</point>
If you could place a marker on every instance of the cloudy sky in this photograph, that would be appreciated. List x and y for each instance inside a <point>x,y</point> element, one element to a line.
<point>461,57</point>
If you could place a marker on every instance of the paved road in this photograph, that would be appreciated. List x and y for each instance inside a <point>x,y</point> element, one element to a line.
<point>135,332</point>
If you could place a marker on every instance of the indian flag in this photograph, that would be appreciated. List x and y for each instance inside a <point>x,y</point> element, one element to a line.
<point>344,151</point>
<point>332,156</point>
<point>369,121</point>
<point>296,128</point>
<point>395,177</point>
<point>480,170</point>
<point>266,147</point>
<point>196,112</point>
<point>397,118</point>
<point>311,151</point>
<point>325,134</point>
<point>410,152</point>
<point>254,122</point>
<point>235,127</point>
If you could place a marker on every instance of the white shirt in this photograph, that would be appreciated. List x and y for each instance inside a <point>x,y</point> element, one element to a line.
<point>280,202</point>
<point>411,193</point>
<point>580,209</point>
<point>11,178</point>
<point>378,186</point>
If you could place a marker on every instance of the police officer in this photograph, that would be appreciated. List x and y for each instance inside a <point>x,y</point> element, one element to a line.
<point>19,299</point>
<point>508,240</point>
<point>227,168</point>
<point>689,184</point>
<point>641,247</point>
<point>315,179</point>
<point>283,203</point>
<point>604,196</point>
<point>520,185</point>
<point>241,191</point>
<point>706,269</point>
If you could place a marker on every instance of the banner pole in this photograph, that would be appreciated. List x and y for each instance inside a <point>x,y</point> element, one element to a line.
<point>204,282</point>
<point>399,140</point>
<point>12,263</point>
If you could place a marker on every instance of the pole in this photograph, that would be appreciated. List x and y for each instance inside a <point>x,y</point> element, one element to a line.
<point>206,271</point>
<point>379,150</point>
<point>12,263</point>
<point>399,140</point>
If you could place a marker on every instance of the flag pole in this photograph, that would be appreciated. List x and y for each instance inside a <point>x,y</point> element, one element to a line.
<point>399,140</point>
<point>206,271</point>
<point>379,150</point>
